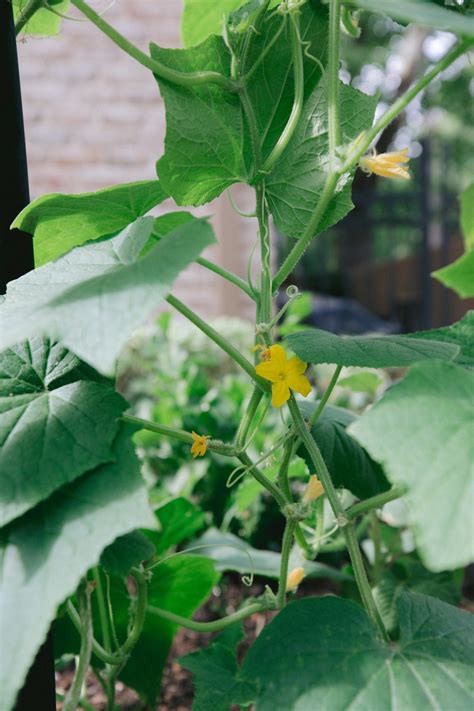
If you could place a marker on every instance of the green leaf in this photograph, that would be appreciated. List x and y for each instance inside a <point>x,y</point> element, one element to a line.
<point>93,298</point>
<point>179,585</point>
<point>294,187</point>
<point>271,86</point>
<point>232,553</point>
<point>179,520</point>
<point>127,551</point>
<point>467,216</point>
<point>364,382</point>
<point>61,222</point>
<point>460,334</point>
<point>316,346</point>
<point>52,429</point>
<point>204,137</point>
<point>215,672</point>
<point>421,13</point>
<point>46,552</point>
<point>43,22</point>
<point>349,464</point>
<point>422,433</point>
<point>202,18</point>
<point>332,660</point>
<point>459,275</point>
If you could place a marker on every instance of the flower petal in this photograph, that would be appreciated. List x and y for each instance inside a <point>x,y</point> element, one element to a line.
<point>278,356</point>
<point>300,384</point>
<point>280,393</point>
<point>268,370</point>
<point>295,366</point>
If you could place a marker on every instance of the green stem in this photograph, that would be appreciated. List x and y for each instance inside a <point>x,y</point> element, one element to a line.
<point>141,607</point>
<point>82,703</point>
<point>375,502</point>
<point>161,70</point>
<point>262,479</point>
<point>298,74</point>
<point>102,610</point>
<point>283,481</point>
<point>31,7</point>
<point>346,525</point>
<point>253,128</point>
<point>302,244</point>
<point>85,619</point>
<point>265,311</point>
<point>325,397</point>
<point>214,626</point>
<point>319,529</point>
<point>181,435</point>
<point>247,419</point>
<point>334,128</point>
<point>402,102</point>
<point>228,276</point>
<point>219,340</point>
<point>97,648</point>
<point>286,544</point>
<point>377,541</point>
<point>340,545</point>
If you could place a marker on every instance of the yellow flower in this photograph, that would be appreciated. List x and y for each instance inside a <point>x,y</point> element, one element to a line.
<point>284,374</point>
<point>294,578</point>
<point>387,164</point>
<point>199,446</point>
<point>314,490</point>
<point>264,351</point>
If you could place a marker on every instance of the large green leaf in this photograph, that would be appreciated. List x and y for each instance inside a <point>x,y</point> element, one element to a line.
<point>179,585</point>
<point>95,297</point>
<point>459,275</point>
<point>316,346</point>
<point>204,138</point>
<point>230,552</point>
<point>51,431</point>
<point>43,22</point>
<point>215,672</point>
<point>61,222</point>
<point>331,659</point>
<point>179,520</point>
<point>460,334</point>
<point>349,464</point>
<point>295,185</point>
<point>202,18</point>
<point>46,552</point>
<point>127,551</point>
<point>271,86</point>
<point>421,13</point>
<point>422,431</point>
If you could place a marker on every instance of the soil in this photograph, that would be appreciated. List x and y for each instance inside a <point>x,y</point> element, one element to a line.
<point>177,685</point>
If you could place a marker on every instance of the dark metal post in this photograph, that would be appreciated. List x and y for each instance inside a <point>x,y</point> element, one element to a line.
<point>16,258</point>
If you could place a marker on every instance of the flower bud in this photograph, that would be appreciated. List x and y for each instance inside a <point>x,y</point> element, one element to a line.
<point>294,578</point>
<point>314,490</point>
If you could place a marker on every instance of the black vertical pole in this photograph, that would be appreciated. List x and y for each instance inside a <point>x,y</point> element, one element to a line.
<point>16,249</point>
<point>16,258</point>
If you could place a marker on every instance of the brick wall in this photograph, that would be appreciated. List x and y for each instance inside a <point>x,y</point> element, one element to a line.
<point>94,117</point>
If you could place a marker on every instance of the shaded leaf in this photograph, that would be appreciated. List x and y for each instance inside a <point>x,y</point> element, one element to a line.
<point>61,222</point>
<point>316,346</point>
<point>364,382</point>
<point>46,552</point>
<point>179,520</point>
<point>216,671</point>
<point>337,662</point>
<point>349,464</point>
<point>422,431</point>
<point>43,22</point>
<point>95,297</point>
<point>52,427</point>
<point>467,216</point>
<point>126,552</point>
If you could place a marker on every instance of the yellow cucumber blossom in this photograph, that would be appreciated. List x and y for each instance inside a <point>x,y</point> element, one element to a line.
<point>314,490</point>
<point>284,374</point>
<point>388,165</point>
<point>199,446</point>
<point>294,579</point>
